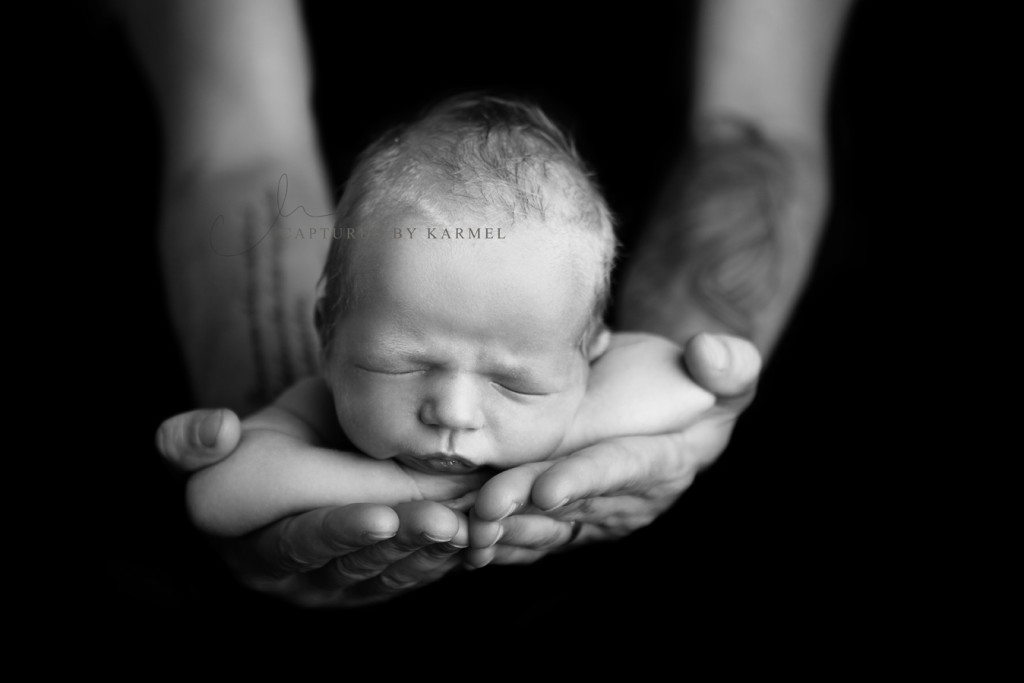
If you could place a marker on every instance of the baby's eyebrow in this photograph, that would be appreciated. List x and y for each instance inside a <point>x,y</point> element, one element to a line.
<point>521,371</point>
<point>395,345</point>
<point>511,371</point>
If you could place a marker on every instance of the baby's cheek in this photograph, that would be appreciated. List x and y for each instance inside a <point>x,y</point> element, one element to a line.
<point>536,434</point>
<point>372,420</point>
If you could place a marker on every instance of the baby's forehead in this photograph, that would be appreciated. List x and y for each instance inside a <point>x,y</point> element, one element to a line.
<point>448,233</point>
<point>411,247</point>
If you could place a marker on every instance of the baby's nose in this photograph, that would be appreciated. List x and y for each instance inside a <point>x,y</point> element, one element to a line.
<point>452,402</point>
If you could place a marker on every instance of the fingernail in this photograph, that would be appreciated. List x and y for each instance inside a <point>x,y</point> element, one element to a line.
<point>508,511</point>
<point>453,547</point>
<point>717,353</point>
<point>472,566</point>
<point>436,539</point>
<point>501,532</point>
<point>209,428</point>
<point>563,502</point>
<point>377,538</point>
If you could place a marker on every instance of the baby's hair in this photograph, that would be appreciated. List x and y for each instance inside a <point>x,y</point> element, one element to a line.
<point>481,153</point>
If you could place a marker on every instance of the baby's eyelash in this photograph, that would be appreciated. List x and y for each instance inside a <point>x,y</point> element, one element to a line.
<point>516,391</point>
<point>503,387</point>
<point>386,372</point>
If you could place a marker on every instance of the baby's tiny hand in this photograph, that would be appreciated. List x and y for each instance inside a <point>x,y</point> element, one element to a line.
<point>639,386</point>
<point>456,491</point>
<point>462,503</point>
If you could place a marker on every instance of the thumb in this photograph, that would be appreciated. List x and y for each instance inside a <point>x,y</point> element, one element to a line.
<point>726,366</point>
<point>197,439</point>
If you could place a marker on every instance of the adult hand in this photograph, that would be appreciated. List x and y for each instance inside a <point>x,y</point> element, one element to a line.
<point>613,488</point>
<point>329,557</point>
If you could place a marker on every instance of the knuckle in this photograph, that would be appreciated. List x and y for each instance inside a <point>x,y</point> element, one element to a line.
<point>518,556</point>
<point>585,507</point>
<point>439,551</point>
<point>669,457</point>
<point>396,581</point>
<point>171,440</point>
<point>331,536</point>
<point>289,553</point>
<point>407,546</point>
<point>161,440</point>
<point>552,536</point>
<point>356,567</point>
<point>641,519</point>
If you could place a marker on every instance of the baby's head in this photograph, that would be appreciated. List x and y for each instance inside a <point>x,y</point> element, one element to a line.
<point>465,289</point>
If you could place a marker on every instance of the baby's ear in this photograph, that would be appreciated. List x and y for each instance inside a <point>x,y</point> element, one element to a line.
<point>599,343</point>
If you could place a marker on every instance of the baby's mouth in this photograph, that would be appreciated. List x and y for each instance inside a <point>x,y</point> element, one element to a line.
<point>437,463</point>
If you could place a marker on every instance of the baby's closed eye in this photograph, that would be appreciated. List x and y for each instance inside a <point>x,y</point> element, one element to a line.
<point>520,389</point>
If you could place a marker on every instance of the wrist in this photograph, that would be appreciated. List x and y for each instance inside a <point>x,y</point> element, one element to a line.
<point>733,238</point>
<point>717,127</point>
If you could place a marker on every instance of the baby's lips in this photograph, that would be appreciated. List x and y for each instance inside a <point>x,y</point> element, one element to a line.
<point>438,463</point>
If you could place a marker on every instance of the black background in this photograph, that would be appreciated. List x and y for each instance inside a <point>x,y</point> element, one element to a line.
<point>796,522</point>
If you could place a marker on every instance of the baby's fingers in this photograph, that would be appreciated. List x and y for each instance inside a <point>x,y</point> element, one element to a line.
<point>197,439</point>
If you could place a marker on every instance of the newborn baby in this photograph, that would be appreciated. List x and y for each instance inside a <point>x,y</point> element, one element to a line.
<point>461,326</point>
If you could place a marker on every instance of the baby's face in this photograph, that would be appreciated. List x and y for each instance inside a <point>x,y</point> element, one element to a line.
<point>458,354</point>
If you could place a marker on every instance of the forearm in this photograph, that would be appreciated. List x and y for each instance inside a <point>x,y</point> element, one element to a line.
<point>231,78</point>
<point>246,211</point>
<point>293,457</point>
<point>769,63</point>
<point>731,244</point>
<point>733,238</point>
<point>272,476</point>
<point>241,258</point>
